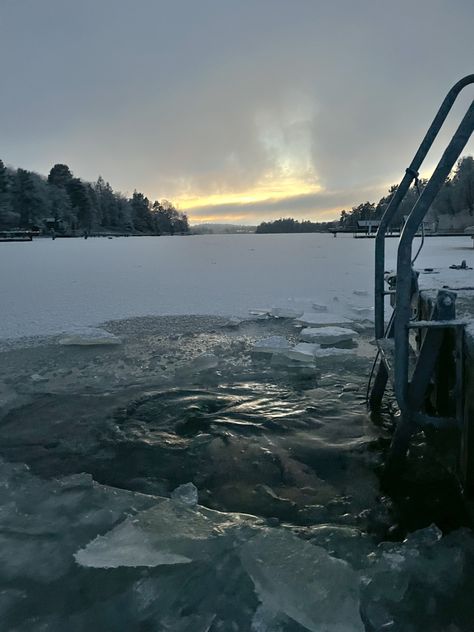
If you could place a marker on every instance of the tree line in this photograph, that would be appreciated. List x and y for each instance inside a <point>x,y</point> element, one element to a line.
<point>456,197</point>
<point>68,205</point>
<point>290,225</point>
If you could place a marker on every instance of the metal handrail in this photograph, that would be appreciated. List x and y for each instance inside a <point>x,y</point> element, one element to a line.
<point>410,174</point>
<point>404,254</point>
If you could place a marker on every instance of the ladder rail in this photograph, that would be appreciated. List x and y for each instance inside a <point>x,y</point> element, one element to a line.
<point>410,174</point>
<point>404,254</point>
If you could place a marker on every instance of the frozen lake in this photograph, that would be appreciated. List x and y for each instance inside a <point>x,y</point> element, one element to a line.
<point>51,286</point>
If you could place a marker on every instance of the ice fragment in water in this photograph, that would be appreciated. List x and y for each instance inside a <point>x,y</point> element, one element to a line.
<point>303,582</point>
<point>169,533</point>
<point>89,336</point>
<point>205,362</point>
<point>308,352</point>
<point>36,377</point>
<point>272,344</point>
<point>319,307</point>
<point>286,312</point>
<point>133,547</point>
<point>259,314</point>
<point>234,322</point>
<point>303,352</point>
<point>323,319</point>
<point>265,620</point>
<point>186,494</point>
<point>425,563</point>
<point>363,313</point>
<point>327,335</point>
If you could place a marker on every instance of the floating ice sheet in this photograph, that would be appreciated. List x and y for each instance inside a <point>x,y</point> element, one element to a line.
<point>327,335</point>
<point>286,312</point>
<point>169,533</point>
<point>310,351</point>
<point>89,336</point>
<point>272,344</point>
<point>186,494</point>
<point>322,319</point>
<point>303,581</point>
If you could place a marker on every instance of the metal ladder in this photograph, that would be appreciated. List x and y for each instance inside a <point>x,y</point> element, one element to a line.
<point>411,371</point>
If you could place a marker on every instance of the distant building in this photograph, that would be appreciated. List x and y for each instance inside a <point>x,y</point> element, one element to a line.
<point>368,224</point>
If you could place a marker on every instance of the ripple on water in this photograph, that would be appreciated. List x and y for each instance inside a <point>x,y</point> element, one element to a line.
<point>254,447</point>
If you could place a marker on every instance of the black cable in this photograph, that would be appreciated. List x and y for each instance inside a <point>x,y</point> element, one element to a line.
<point>374,364</point>
<point>417,185</point>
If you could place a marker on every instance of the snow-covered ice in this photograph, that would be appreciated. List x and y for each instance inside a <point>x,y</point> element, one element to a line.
<point>75,282</point>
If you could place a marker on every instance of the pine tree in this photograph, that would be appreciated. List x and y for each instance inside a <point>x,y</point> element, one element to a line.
<point>141,216</point>
<point>7,218</point>
<point>83,208</point>
<point>60,175</point>
<point>28,199</point>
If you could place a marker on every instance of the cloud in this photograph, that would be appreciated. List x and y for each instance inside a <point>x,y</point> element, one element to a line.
<point>199,101</point>
<point>320,206</point>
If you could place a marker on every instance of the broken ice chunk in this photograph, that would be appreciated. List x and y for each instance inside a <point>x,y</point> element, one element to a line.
<point>186,494</point>
<point>309,351</point>
<point>425,560</point>
<point>204,362</point>
<point>272,344</point>
<point>322,319</point>
<point>303,581</point>
<point>259,314</point>
<point>265,620</point>
<point>169,533</point>
<point>285,312</point>
<point>88,336</point>
<point>303,352</point>
<point>37,377</point>
<point>234,322</point>
<point>327,335</point>
<point>363,313</point>
<point>129,546</point>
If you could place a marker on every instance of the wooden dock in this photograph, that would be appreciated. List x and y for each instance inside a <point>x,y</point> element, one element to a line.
<point>16,235</point>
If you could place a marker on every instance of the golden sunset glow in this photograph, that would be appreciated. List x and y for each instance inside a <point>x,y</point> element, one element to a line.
<point>268,189</point>
<point>249,218</point>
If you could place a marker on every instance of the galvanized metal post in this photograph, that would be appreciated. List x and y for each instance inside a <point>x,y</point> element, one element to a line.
<point>411,172</point>
<point>404,256</point>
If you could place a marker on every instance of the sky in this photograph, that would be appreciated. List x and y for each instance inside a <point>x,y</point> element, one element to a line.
<point>237,111</point>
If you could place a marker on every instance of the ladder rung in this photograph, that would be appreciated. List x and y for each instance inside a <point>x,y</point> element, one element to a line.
<point>436,324</point>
